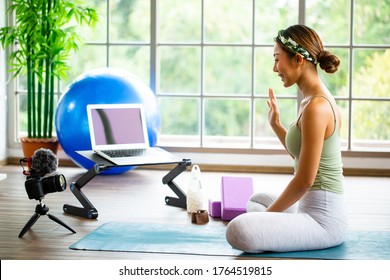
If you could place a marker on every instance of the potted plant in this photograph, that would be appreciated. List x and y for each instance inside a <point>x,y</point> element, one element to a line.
<point>41,40</point>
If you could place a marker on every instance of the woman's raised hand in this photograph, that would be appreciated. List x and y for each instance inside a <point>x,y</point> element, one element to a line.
<point>273,113</point>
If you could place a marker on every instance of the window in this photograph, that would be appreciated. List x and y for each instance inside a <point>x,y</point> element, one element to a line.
<point>210,64</point>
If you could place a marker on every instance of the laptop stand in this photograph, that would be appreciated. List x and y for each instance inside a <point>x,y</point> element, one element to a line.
<point>90,212</point>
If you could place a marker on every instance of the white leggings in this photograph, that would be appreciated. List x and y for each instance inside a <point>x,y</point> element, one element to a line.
<point>319,222</point>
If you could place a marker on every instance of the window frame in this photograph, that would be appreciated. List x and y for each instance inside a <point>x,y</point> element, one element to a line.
<point>155,44</point>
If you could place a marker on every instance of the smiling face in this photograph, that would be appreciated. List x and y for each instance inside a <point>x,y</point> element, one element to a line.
<point>284,65</point>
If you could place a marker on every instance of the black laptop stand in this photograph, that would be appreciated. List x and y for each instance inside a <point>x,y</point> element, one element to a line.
<point>90,212</point>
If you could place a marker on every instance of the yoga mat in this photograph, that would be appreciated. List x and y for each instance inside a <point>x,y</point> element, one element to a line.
<point>210,240</point>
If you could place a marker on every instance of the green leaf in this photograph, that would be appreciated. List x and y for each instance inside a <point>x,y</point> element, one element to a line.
<point>42,42</point>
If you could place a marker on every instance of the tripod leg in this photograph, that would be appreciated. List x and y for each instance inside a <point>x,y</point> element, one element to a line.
<point>29,224</point>
<point>54,218</point>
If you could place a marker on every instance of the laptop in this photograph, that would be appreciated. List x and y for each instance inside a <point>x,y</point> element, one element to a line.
<point>119,134</point>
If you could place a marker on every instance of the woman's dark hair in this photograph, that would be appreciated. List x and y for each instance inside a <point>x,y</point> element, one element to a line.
<point>308,39</point>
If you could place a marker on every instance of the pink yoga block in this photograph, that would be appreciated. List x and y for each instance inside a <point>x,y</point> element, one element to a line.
<point>236,192</point>
<point>215,208</point>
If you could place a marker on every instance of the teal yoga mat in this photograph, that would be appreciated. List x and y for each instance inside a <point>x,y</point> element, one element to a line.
<point>210,240</point>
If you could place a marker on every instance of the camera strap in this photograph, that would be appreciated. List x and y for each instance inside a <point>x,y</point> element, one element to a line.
<point>28,162</point>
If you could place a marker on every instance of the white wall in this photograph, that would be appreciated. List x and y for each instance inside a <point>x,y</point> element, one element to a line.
<point>3,99</point>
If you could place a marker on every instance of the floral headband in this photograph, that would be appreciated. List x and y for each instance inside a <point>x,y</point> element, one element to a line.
<point>295,47</point>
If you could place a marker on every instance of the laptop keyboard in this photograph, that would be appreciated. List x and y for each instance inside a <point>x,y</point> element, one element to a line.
<point>126,153</point>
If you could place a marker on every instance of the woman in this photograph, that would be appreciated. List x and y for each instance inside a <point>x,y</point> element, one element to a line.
<point>313,140</point>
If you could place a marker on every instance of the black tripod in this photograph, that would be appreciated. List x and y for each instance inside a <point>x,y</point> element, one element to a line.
<point>42,209</point>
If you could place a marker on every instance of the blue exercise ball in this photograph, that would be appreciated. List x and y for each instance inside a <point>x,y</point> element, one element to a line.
<point>101,86</point>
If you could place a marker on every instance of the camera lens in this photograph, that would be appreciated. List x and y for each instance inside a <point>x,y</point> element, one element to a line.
<point>61,182</point>
<point>55,183</point>
<point>58,183</point>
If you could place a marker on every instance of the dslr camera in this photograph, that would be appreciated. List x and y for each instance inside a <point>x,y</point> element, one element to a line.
<point>37,185</point>
<point>39,182</point>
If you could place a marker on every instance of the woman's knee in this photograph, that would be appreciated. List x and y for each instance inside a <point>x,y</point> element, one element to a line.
<point>235,233</point>
<point>259,202</point>
<point>240,233</point>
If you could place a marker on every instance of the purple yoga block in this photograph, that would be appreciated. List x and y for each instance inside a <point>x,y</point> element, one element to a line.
<point>236,192</point>
<point>215,208</point>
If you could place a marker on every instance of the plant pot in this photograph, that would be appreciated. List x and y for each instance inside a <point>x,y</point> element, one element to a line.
<point>30,145</point>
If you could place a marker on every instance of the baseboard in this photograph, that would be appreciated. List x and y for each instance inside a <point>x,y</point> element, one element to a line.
<point>278,170</point>
<point>241,168</point>
<point>4,162</point>
<point>366,172</point>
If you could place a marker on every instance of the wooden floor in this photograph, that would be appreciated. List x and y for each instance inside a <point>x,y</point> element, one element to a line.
<point>138,196</point>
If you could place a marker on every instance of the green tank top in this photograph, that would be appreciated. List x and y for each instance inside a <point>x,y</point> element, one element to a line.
<point>330,170</point>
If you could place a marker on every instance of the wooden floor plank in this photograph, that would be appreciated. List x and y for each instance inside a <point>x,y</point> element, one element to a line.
<point>138,196</point>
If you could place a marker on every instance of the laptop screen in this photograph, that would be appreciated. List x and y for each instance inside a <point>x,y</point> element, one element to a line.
<point>117,126</point>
